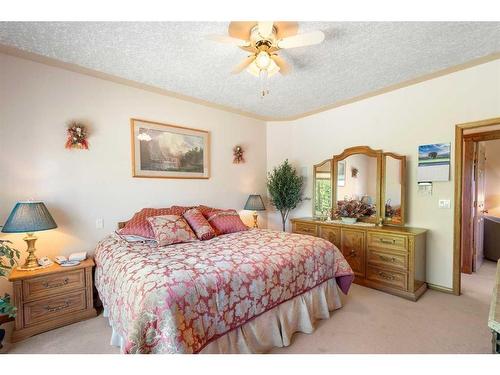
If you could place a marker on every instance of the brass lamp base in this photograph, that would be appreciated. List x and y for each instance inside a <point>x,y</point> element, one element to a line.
<point>255,218</point>
<point>31,262</point>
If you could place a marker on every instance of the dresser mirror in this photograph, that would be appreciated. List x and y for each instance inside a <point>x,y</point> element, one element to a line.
<point>322,189</point>
<point>393,190</point>
<point>357,175</point>
<point>372,179</point>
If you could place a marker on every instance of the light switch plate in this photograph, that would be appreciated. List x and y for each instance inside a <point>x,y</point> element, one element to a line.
<point>99,223</point>
<point>444,203</point>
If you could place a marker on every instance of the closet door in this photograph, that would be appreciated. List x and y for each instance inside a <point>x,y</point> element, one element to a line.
<point>353,248</point>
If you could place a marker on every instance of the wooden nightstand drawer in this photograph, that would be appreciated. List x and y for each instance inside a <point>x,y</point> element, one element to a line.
<point>387,259</point>
<point>391,278</point>
<point>305,228</point>
<point>45,309</point>
<point>46,286</point>
<point>51,297</point>
<point>388,241</point>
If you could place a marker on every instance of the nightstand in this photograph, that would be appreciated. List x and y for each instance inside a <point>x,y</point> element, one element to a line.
<point>51,297</point>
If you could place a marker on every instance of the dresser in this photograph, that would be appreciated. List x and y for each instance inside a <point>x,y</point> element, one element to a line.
<point>387,258</point>
<point>51,297</point>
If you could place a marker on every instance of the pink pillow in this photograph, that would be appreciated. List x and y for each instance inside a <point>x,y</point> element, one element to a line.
<point>170,229</point>
<point>225,222</point>
<point>139,225</point>
<point>207,211</point>
<point>199,224</point>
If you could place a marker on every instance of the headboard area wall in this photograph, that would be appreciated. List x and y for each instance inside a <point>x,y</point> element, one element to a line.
<point>83,187</point>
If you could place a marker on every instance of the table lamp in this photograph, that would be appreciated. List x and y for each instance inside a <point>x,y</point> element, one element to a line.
<point>255,203</point>
<point>29,217</point>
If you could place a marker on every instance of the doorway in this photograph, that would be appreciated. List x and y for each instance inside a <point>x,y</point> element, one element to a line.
<point>477,163</point>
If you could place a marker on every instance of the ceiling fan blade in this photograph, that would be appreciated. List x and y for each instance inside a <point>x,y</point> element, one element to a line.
<point>300,40</point>
<point>242,66</point>
<point>228,40</point>
<point>250,49</point>
<point>265,28</point>
<point>282,64</point>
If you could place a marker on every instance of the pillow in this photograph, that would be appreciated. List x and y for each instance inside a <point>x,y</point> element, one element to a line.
<point>170,229</point>
<point>207,211</point>
<point>225,222</point>
<point>199,224</point>
<point>132,238</point>
<point>139,225</point>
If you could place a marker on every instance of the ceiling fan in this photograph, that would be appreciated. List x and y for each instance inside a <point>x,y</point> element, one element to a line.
<point>263,39</point>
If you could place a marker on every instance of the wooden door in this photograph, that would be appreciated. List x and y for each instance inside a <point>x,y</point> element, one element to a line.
<point>479,209</point>
<point>467,207</point>
<point>353,249</point>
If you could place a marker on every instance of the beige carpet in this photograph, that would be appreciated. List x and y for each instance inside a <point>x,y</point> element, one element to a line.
<point>370,322</point>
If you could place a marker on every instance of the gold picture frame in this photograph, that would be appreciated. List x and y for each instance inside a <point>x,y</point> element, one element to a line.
<point>169,151</point>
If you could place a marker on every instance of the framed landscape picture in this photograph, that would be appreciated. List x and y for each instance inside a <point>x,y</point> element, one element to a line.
<point>169,151</point>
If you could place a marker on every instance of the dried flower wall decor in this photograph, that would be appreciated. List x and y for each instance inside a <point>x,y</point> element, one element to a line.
<point>77,136</point>
<point>238,155</point>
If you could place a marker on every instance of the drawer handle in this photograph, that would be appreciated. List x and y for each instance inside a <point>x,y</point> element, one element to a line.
<point>57,308</point>
<point>387,259</point>
<point>386,276</point>
<point>390,242</point>
<point>46,284</point>
<point>352,253</point>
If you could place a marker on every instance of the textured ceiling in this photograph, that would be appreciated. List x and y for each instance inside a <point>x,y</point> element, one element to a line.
<point>356,57</point>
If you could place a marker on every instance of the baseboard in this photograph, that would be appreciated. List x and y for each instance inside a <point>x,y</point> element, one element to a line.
<point>440,288</point>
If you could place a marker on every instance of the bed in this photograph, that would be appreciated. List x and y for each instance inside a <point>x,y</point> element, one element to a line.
<point>243,292</point>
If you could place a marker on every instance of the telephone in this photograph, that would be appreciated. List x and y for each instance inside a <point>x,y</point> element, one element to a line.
<point>44,262</point>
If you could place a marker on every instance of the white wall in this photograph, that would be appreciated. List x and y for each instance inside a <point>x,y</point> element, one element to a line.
<point>397,121</point>
<point>492,174</point>
<point>37,101</point>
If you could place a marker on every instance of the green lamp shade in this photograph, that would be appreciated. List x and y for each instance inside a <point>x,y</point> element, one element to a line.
<point>255,203</point>
<point>27,217</point>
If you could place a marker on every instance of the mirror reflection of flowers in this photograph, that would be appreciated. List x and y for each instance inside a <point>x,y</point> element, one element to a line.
<point>77,136</point>
<point>238,155</point>
<point>353,208</point>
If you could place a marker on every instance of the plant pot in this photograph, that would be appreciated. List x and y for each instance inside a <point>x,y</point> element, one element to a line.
<point>349,220</point>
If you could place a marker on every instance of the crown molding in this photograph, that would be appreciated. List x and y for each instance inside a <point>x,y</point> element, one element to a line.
<point>400,85</point>
<point>16,52</point>
<point>13,51</point>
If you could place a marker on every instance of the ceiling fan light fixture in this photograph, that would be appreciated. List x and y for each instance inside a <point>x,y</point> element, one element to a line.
<point>254,70</point>
<point>263,60</point>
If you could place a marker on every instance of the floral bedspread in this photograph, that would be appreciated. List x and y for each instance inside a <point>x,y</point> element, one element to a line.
<point>178,298</point>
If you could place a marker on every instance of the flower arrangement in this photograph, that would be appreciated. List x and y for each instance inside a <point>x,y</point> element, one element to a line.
<point>353,208</point>
<point>77,136</point>
<point>238,155</point>
<point>389,210</point>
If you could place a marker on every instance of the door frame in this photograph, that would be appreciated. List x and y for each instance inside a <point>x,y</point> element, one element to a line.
<point>458,198</point>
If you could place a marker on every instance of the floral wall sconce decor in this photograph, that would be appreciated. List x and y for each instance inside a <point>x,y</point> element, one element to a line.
<point>77,136</point>
<point>354,172</point>
<point>238,155</point>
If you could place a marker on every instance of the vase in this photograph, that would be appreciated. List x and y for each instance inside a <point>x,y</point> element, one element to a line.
<point>349,220</point>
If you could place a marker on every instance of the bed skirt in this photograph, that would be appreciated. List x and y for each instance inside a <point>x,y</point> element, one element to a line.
<point>275,327</point>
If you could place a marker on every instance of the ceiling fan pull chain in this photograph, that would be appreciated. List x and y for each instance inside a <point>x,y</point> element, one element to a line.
<point>264,83</point>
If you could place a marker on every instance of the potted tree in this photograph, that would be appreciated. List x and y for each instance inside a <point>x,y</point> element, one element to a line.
<point>285,189</point>
<point>8,259</point>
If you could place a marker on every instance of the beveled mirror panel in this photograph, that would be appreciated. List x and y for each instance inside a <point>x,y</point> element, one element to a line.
<point>357,172</point>
<point>322,189</point>
<point>393,191</point>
